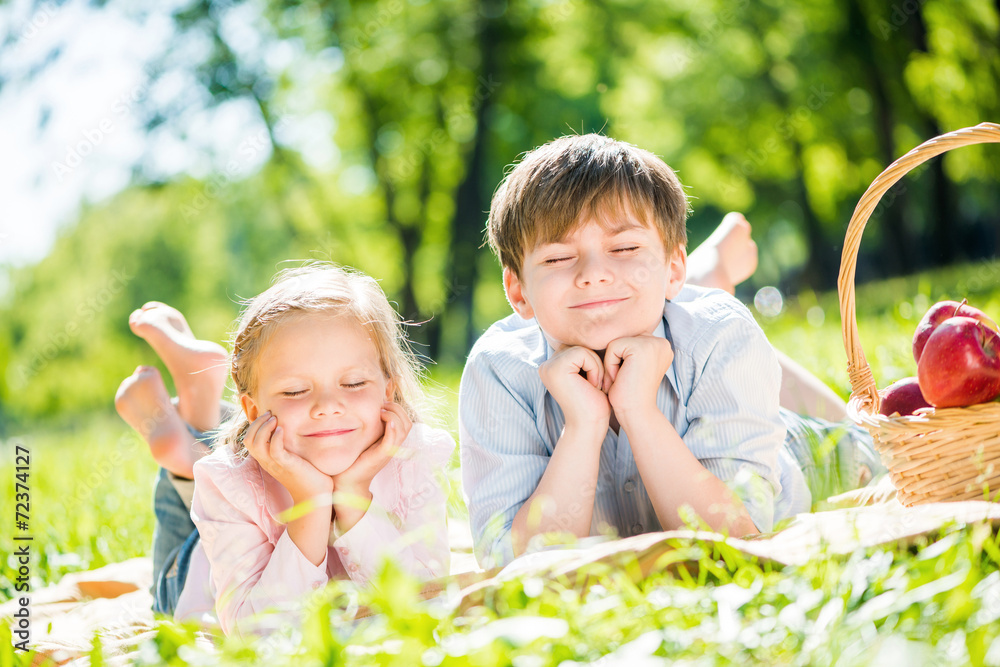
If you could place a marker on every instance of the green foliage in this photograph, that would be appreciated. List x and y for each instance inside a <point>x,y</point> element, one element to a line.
<point>809,327</point>
<point>935,602</point>
<point>91,494</point>
<point>65,338</point>
<point>786,111</point>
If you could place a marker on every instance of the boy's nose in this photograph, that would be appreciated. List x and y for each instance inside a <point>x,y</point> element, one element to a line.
<point>592,268</point>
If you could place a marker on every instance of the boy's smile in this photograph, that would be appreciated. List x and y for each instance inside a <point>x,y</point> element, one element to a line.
<point>599,283</point>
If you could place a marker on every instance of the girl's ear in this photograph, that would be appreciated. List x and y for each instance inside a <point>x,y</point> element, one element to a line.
<point>514,289</point>
<point>676,272</point>
<point>390,389</point>
<point>250,408</point>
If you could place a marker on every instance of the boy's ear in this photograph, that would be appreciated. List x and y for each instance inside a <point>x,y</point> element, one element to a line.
<point>676,272</point>
<point>390,389</point>
<point>250,408</point>
<point>514,289</point>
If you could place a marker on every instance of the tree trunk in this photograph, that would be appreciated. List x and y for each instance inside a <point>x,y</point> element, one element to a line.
<point>471,202</point>
<point>409,236</point>
<point>897,245</point>
<point>820,273</point>
<point>944,224</point>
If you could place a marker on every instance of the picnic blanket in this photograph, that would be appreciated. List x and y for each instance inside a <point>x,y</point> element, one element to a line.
<point>114,601</point>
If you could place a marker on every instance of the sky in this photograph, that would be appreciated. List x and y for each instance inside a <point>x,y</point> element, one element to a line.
<point>71,133</point>
<point>91,136</point>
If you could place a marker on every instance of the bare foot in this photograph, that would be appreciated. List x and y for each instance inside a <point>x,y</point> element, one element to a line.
<point>198,367</point>
<point>143,402</point>
<point>726,258</point>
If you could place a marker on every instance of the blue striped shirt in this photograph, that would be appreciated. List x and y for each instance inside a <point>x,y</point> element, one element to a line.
<point>720,393</point>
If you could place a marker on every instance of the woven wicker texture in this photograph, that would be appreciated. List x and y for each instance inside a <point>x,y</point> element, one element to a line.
<point>935,455</point>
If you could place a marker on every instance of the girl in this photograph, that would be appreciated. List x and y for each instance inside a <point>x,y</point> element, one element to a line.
<point>324,470</point>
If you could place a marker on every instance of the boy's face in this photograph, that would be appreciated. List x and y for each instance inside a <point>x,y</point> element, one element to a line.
<point>598,284</point>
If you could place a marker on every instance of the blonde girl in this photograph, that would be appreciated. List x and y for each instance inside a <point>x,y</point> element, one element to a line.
<point>325,469</point>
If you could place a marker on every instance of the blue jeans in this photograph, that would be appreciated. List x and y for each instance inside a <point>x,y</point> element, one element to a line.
<point>174,538</point>
<point>834,456</point>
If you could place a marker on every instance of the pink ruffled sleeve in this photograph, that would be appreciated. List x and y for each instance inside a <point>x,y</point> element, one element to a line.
<point>249,572</point>
<point>410,525</point>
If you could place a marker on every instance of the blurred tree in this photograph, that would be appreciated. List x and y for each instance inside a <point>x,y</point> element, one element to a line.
<point>386,124</point>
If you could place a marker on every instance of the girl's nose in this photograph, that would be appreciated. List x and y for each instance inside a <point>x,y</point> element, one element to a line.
<point>327,403</point>
<point>592,269</point>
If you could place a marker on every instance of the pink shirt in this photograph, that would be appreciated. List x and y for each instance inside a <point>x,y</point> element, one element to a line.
<point>245,562</point>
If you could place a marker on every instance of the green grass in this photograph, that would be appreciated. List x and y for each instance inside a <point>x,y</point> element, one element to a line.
<point>809,329</point>
<point>934,603</point>
<point>91,499</point>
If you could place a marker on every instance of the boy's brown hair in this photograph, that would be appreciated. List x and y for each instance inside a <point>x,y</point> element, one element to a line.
<point>546,195</point>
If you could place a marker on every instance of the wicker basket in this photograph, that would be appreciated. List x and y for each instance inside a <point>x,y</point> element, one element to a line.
<point>939,454</point>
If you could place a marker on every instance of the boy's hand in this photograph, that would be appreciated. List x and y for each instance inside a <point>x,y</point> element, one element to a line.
<point>358,477</point>
<point>634,370</point>
<point>264,441</point>
<point>575,377</point>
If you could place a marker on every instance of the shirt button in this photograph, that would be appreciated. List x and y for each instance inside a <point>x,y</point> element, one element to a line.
<point>316,585</point>
<point>629,486</point>
<point>344,551</point>
<point>636,529</point>
<point>353,567</point>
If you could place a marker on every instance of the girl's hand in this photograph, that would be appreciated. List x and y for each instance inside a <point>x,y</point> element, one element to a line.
<point>352,487</point>
<point>264,441</point>
<point>358,477</point>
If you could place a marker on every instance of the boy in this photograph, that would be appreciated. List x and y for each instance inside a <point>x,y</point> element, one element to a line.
<point>615,394</point>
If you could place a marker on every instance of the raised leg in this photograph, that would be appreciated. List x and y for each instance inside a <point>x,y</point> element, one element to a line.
<point>198,367</point>
<point>726,258</point>
<point>804,393</point>
<point>143,402</point>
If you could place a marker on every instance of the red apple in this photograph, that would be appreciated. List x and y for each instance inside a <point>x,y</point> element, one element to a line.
<point>937,314</point>
<point>960,364</point>
<point>902,396</point>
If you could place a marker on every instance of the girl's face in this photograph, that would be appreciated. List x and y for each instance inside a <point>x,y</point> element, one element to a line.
<point>320,377</point>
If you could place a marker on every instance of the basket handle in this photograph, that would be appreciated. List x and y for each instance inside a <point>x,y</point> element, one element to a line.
<point>862,382</point>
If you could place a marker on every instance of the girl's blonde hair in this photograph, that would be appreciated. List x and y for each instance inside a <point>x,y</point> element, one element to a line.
<point>329,290</point>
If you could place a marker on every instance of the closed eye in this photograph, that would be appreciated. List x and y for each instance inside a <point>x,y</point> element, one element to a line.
<point>556,260</point>
<point>626,249</point>
<point>356,385</point>
<point>293,393</point>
